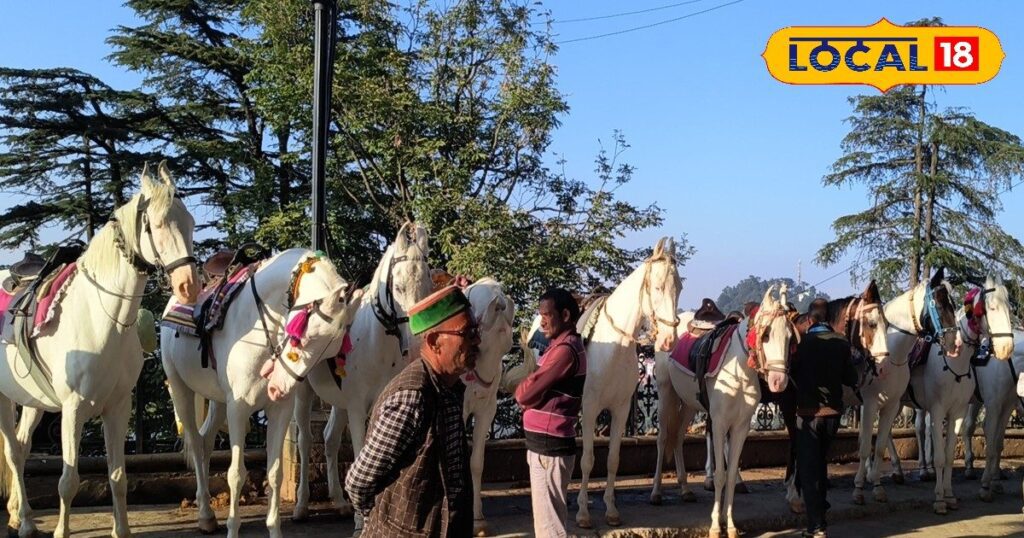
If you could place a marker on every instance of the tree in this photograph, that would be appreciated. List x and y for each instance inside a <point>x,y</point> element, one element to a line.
<point>753,288</point>
<point>934,178</point>
<point>69,140</point>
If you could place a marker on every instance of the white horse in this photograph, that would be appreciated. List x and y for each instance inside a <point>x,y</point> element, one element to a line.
<point>382,345</point>
<point>944,385</point>
<point>733,395</point>
<point>290,315</point>
<point>495,315</point>
<point>649,294</point>
<point>996,382</point>
<point>926,311</point>
<point>92,351</point>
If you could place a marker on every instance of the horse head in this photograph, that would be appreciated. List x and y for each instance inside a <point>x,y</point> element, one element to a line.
<point>495,316</point>
<point>867,319</point>
<point>661,287</point>
<point>990,306</point>
<point>401,280</point>
<point>773,332</point>
<point>939,313</point>
<point>323,306</point>
<point>157,227</point>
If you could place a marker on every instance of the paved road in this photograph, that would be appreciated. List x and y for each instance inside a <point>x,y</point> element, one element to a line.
<point>908,513</point>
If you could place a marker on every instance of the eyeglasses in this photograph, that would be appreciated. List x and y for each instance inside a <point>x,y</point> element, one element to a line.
<point>469,333</point>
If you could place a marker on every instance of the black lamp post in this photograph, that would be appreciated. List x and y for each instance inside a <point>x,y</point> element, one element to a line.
<point>323,46</point>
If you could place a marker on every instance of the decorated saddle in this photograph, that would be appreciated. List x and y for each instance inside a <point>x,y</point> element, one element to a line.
<point>701,356</point>
<point>210,310</point>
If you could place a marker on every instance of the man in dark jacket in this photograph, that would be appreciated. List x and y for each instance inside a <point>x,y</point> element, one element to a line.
<point>551,398</point>
<point>820,368</point>
<point>412,476</point>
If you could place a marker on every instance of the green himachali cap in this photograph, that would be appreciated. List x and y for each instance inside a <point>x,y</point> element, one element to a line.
<point>437,308</point>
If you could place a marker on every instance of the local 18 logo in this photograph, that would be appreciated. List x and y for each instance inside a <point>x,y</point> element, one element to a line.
<point>883,55</point>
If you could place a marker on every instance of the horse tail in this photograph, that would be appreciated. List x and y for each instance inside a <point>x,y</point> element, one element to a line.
<point>512,378</point>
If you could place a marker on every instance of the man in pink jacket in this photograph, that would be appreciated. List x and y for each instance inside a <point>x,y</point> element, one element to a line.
<point>551,398</point>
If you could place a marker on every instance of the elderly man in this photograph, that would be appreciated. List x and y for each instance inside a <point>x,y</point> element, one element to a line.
<point>412,476</point>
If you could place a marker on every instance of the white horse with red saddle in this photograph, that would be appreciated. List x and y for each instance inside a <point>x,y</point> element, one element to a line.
<point>283,316</point>
<point>85,363</point>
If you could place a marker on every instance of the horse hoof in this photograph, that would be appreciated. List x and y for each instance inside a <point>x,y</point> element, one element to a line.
<point>939,507</point>
<point>858,496</point>
<point>300,514</point>
<point>613,521</point>
<point>709,484</point>
<point>880,495</point>
<point>208,526</point>
<point>927,477</point>
<point>997,487</point>
<point>742,488</point>
<point>985,495</point>
<point>714,533</point>
<point>733,533</point>
<point>344,510</point>
<point>480,528</point>
<point>969,474</point>
<point>583,522</point>
<point>656,499</point>
<point>952,503</point>
<point>688,497</point>
<point>898,478</point>
<point>798,507</point>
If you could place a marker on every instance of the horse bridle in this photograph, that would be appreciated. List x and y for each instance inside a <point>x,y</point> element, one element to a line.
<point>991,335</point>
<point>855,322</point>
<point>391,321</point>
<point>932,330</point>
<point>134,256</point>
<point>645,288</point>
<point>760,328</point>
<point>276,346</point>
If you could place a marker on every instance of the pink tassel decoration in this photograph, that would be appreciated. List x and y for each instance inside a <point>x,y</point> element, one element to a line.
<point>296,328</point>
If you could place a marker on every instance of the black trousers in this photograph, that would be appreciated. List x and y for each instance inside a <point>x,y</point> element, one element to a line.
<point>814,435</point>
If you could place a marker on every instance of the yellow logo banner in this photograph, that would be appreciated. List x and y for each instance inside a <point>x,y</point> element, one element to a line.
<point>883,55</point>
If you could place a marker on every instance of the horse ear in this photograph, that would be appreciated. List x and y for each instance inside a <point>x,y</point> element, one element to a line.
<point>768,301</point>
<point>146,180</point>
<point>670,247</point>
<point>871,294</point>
<point>165,173</point>
<point>659,248</point>
<point>938,277</point>
<point>992,281</point>
<point>402,239</point>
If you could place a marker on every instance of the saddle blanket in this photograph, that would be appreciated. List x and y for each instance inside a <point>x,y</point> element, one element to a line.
<point>682,356</point>
<point>48,296</point>
<point>213,300</point>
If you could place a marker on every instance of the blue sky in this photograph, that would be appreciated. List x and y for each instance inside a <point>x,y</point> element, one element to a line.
<point>733,156</point>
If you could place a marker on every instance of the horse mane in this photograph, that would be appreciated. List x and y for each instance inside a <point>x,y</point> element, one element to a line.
<point>102,255</point>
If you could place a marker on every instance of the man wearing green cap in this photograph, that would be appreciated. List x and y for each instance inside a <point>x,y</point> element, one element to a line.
<point>412,476</point>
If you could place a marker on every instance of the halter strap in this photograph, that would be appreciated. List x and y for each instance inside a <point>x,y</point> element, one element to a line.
<point>390,320</point>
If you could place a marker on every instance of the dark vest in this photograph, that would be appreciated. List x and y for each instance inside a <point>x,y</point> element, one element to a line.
<point>415,504</point>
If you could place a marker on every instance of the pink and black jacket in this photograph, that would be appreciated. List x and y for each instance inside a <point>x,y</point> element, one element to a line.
<point>552,396</point>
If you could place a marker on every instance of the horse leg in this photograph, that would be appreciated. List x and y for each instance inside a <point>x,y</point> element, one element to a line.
<point>115,429</point>
<point>195,447</point>
<point>71,422</point>
<point>737,436</point>
<point>796,502</point>
<point>302,412</point>
<point>924,445</point>
<point>999,429</point>
<point>21,517</point>
<point>955,428</point>
<point>357,428</point>
<point>336,424</point>
<point>588,422</point>
<point>685,493</point>
<point>939,445</point>
<point>995,421</point>
<point>618,428</point>
<point>238,421</point>
<point>718,436</point>
<point>886,416</point>
<point>897,464</point>
<point>481,428</point>
<point>668,429</point>
<point>970,425</point>
<point>709,461</point>
<point>277,427</point>
<point>30,418</point>
<point>869,410</point>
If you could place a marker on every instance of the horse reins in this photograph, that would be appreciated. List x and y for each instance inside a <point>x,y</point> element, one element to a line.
<point>645,289</point>
<point>760,328</point>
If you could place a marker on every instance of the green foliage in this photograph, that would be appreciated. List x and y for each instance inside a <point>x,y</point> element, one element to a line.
<point>753,289</point>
